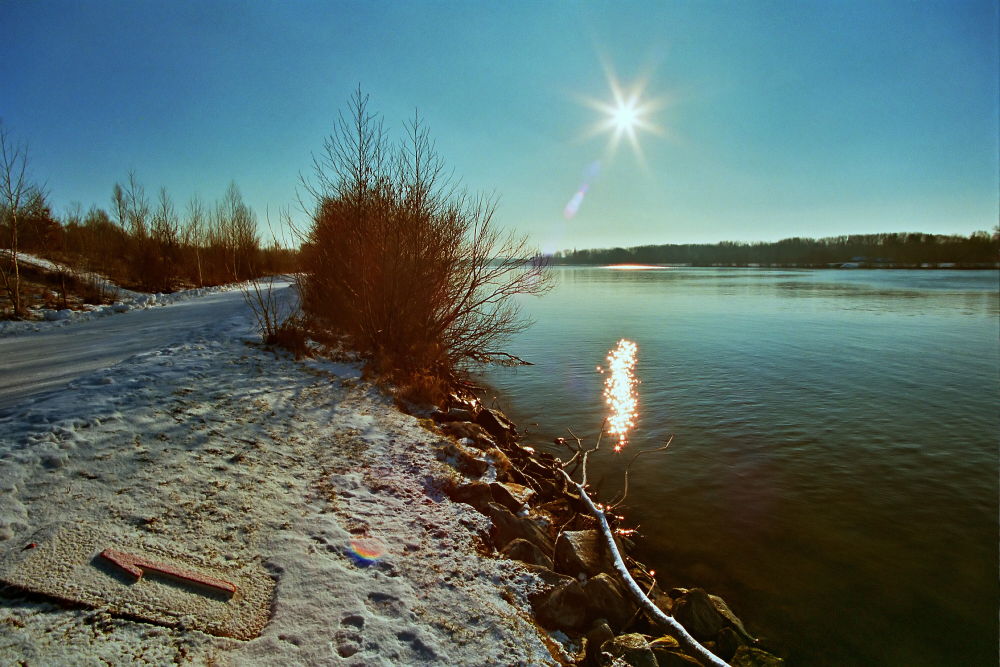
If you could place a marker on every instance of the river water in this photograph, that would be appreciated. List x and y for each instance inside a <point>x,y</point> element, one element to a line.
<point>834,471</point>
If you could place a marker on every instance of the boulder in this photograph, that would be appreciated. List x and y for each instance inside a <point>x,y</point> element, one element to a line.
<point>497,424</point>
<point>698,614</point>
<point>475,433</point>
<point>564,607</point>
<point>704,615</point>
<point>609,599</point>
<point>672,657</point>
<point>582,551</point>
<point>600,633</point>
<point>477,494</point>
<point>663,601</point>
<point>747,656</point>
<point>453,415</point>
<point>506,472</point>
<point>632,648</point>
<point>549,578</point>
<point>731,619</point>
<point>526,552</point>
<point>507,528</point>
<point>461,460</point>
<point>512,496</point>
<point>727,642</point>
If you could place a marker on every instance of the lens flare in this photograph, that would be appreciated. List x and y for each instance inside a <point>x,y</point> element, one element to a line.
<point>366,550</point>
<point>590,174</point>
<point>620,391</point>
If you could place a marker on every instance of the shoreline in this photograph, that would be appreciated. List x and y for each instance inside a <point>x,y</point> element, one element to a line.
<point>538,520</point>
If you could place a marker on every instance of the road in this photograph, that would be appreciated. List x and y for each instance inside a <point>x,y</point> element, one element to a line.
<point>34,364</point>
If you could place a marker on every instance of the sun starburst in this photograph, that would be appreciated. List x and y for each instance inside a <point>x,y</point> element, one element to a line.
<point>627,114</point>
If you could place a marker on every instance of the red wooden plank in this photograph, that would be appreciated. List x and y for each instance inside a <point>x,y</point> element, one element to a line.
<point>135,565</point>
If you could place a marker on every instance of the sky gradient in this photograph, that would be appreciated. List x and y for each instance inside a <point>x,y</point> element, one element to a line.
<point>779,119</point>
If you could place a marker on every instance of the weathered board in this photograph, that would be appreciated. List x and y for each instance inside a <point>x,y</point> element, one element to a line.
<point>64,561</point>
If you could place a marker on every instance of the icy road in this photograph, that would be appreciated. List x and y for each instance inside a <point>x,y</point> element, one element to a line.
<point>37,363</point>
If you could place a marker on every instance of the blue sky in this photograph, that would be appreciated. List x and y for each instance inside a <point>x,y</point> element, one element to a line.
<point>779,118</point>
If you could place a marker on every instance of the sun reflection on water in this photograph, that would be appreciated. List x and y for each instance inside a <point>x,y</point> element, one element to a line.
<point>619,391</point>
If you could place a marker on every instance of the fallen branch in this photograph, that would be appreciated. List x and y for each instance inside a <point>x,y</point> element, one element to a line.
<point>676,629</point>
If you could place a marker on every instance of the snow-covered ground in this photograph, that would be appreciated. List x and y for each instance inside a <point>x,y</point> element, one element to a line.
<point>33,363</point>
<point>176,429</point>
<point>125,301</point>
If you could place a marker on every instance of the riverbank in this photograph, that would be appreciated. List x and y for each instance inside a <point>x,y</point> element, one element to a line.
<point>538,518</point>
<point>351,532</point>
<point>220,457</point>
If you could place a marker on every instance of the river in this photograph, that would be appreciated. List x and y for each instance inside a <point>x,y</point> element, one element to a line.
<point>834,468</point>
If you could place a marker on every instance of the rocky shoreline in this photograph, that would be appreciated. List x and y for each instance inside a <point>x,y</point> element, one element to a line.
<point>539,519</point>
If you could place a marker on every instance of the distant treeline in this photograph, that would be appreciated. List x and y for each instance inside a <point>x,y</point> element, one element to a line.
<point>147,244</point>
<point>897,250</point>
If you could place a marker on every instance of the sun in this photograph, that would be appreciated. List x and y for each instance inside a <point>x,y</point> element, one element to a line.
<point>626,115</point>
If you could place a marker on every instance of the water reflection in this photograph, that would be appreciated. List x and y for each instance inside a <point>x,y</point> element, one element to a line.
<point>619,391</point>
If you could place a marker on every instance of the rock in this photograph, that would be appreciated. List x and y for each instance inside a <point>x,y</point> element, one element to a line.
<point>632,648</point>
<point>669,653</point>
<point>477,494</point>
<point>582,551</point>
<point>512,496</point>
<point>727,642</point>
<point>600,633</point>
<point>549,578</point>
<point>663,601</point>
<point>506,472</point>
<point>453,415</point>
<point>461,460</point>
<point>672,657</point>
<point>697,613</point>
<point>607,598</point>
<point>526,552</point>
<point>664,643</point>
<point>507,528</point>
<point>497,425</point>
<point>579,650</point>
<point>474,432</point>
<point>747,656</point>
<point>731,618</point>
<point>564,607</point>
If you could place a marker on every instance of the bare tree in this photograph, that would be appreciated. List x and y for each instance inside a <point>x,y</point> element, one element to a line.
<point>15,191</point>
<point>238,229</point>
<point>119,206</point>
<point>194,233</point>
<point>165,238</point>
<point>136,208</point>
<point>403,261</point>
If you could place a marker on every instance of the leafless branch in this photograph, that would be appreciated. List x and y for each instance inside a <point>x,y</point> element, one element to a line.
<point>619,501</point>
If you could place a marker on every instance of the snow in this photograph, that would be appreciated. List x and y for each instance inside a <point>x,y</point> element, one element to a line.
<point>126,301</point>
<point>173,425</point>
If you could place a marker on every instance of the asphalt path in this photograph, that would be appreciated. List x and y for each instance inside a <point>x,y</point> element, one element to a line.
<point>37,363</point>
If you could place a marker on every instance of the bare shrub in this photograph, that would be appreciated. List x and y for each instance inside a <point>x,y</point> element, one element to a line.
<point>399,259</point>
<point>14,191</point>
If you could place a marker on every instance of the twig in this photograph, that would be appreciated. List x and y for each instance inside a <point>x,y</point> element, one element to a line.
<point>619,501</point>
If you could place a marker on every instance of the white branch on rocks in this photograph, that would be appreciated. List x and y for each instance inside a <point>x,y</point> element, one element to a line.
<point>682,635</point>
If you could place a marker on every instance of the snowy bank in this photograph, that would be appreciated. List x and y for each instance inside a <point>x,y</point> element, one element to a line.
<point>44,319</point>
<point>243,459</point>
